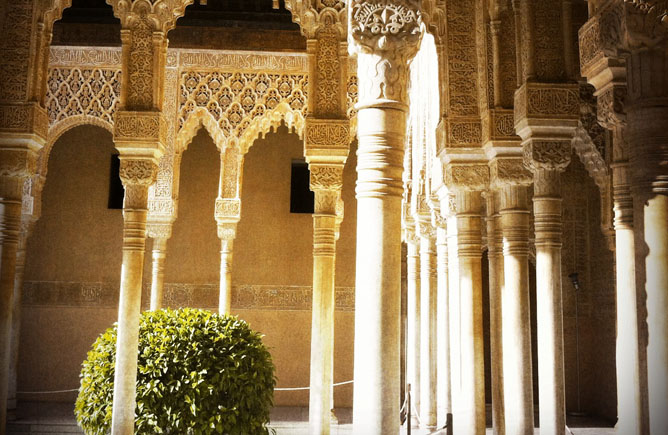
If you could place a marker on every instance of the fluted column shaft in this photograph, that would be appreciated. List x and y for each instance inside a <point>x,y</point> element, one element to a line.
<point>547,215</point>
<point>129,304</point>
<point>495,260</point>
<point>444,387</point>
<point>158,273</point>
<point>469,411</point>
<point>428,292</point>
<point>413,345</point>
<point>518,385</point>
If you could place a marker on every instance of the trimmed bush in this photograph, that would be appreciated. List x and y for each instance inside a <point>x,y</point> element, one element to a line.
<point>198,373</point>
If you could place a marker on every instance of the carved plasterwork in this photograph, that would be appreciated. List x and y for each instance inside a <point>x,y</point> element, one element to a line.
<point>386,35</point>
<point>509,171</point>
<point>24,119</point>
<point>227,208</point>
<point>134,128</point>
<point>553,101</point>
<point>327,137</point>
<point>137,172</point>
<point>472,176</point>
<point>162,14</point>
<point>547,154</point>
<point>159,231</point>
<point>311,14</point>
<point>326,177</point>
<point>463,133</point>
<point>244,105</point>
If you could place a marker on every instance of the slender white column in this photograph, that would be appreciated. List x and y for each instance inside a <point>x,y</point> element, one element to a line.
<point>428,292</point>
<point>495,260</point>
<point>225,293</point>
<point>518,385</point>
<point>158,272</point>
<point>469,415</point>
<point>454,311</point>
<point>629,409</point>
<point>547,212</point>
<point>384,49</point>
<point>444,388</point>
<point>137,175</point>
<point>413,342</point>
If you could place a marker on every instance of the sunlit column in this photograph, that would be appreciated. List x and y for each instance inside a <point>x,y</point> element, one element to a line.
<point>383,54</point>
<point>443,388</point>
<point>469,412</point>
<point>518,385</point>
<point>160,233</point>
<point>495,262</point>
<point>413,323</point>
<point>428,292</point>
<point>137,175</point>
<point>326,182</point>
<point>546,141</point>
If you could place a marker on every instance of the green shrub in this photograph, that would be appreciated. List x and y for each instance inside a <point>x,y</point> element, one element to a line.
<point>198,373</point>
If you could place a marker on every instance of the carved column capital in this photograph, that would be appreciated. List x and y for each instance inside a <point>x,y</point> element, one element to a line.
<point>467,176</point>
<point>326,177</point>
<point>509,172</point>
<point>426,230</point>
<point>140,132</point>
<point>227,231</point>
<point>386,35</point>
<point>161,231</point>
<point>553,155</point>
<point>326,138</point>
<point>551,103</point>
<point>137,174</point>
<point>24,120</point>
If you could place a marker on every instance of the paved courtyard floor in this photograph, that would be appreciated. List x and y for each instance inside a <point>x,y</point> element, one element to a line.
<point>49,418</point>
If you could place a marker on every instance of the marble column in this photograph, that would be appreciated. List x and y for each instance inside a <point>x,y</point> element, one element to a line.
<point>413,323</point>
<point>27,222</point>
<point>227,230</point>
<point>454,304</point>
<point>648,140</point>
<point>546,116</point>
<point>495,263</point>
<point>428,293</point>
<point>160,233</point>
<point>469,412</point>
<point>443,387</point>
<point>386,49</point>
<point>518,385</point>
<point>137,175</point>
<point>326,182</point>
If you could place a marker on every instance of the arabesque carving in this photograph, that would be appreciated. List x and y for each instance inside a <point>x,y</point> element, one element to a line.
<point>326,177</point>
<point>140,172</point>
<point>547,154</point>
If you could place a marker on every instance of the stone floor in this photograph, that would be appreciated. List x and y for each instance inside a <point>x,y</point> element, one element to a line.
<point>49,418</point>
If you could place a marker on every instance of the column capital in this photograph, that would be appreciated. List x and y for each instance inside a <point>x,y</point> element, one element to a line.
<point>159,231</point>
<point>162,14</point>
<point>467,176</point>
<point>554,155</point>
<point>137,174</point>
<point>425,229</point>
<point>386,35</point>
<point>509,171</point>
<point>227,230</point>
<point>312,15</point>
<point>551,105</point>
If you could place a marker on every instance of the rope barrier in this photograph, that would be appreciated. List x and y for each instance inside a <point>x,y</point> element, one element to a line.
<point>47,392</point>
<point>308,388</point>
<point>275,389</point>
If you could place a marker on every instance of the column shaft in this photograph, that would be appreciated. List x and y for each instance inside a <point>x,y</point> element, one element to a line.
<point>129,306</point>
<point>547,212</point>
<point>16,322</point>
<point>414,286</point>
<point>10,221</point>
<point>381,134</point>
<point>225,292</point>
<point>428,291</point>
<point>629,410</point>
<point>158,273</point>
<point>322,327</point>
<point>495,260</point>
<point>470,418</point>
<point>455,313</point>
<point>518,385</point>
<point>444,388</point>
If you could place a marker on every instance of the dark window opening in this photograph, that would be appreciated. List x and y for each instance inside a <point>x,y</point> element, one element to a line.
<point>302,200</point>
<point>116,190</point>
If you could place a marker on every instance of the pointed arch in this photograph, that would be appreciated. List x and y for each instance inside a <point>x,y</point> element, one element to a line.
<point>200,117</point>
<point>261,125</point>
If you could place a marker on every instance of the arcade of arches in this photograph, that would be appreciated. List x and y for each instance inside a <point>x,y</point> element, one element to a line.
<point>490,200</point>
